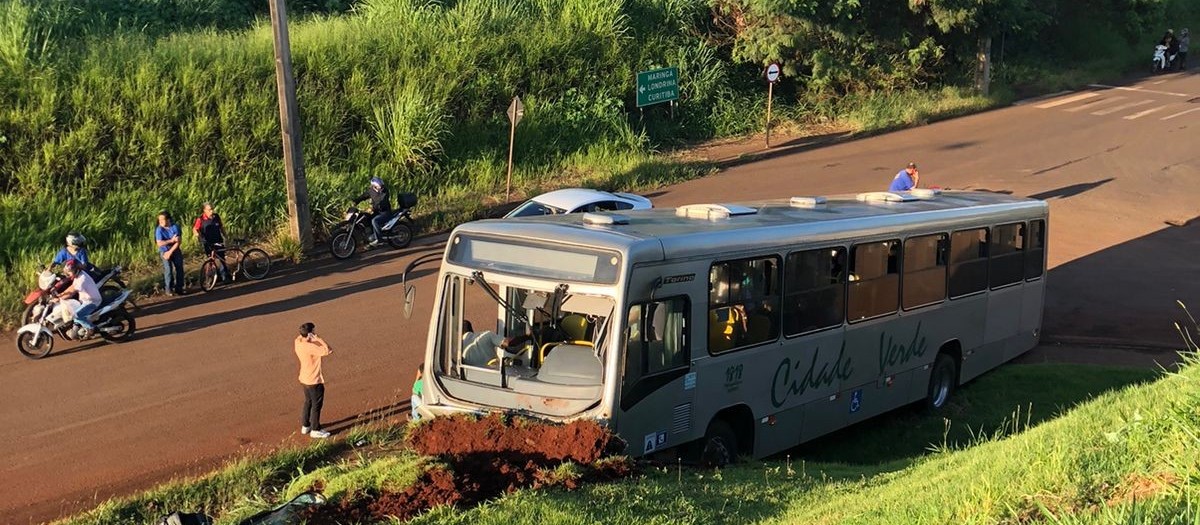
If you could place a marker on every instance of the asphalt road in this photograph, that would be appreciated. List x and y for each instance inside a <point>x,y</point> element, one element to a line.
<point>212,376</point>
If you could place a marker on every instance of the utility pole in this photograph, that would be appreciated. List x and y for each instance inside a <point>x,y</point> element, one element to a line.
<point>983,68</point>
<point>289,123</point>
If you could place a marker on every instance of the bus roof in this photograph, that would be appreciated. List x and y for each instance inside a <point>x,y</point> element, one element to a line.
<point>669,233</point>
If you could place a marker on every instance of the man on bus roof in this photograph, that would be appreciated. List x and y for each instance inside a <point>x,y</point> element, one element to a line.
<point>907,179</point>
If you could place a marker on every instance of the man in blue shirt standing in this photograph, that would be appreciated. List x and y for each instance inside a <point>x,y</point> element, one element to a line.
<point>907,179</point>
<point>166,236</point>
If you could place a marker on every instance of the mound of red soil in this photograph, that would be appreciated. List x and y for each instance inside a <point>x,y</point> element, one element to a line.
<point>579,441</point>
<point>486,458</point>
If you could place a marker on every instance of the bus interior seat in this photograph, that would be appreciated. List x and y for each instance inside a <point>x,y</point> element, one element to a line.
<point>656,346</point>
<point>720,329</point>
<point>572,364</point>
<point>547,347</point>
<point>758,328</point>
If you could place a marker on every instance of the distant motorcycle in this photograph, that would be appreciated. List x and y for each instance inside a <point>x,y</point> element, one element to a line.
<point>356,229</point>
<point>108,281</point>
<point>112,321</point>
<point>1162,62</point>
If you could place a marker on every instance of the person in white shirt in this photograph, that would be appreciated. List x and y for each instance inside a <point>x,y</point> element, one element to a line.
<point>89,295</point>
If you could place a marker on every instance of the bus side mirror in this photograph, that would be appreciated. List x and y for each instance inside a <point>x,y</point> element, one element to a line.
<point>410,296</point>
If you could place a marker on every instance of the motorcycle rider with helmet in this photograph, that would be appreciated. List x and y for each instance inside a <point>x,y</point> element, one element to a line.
<point>75,249</point>
<point>381,207</point>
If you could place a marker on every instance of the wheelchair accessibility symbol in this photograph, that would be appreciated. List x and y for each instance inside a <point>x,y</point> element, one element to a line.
<point>855,401</point>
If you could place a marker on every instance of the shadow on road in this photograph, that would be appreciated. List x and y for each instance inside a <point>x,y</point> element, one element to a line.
<point>1126,293</point>
<point>1070,191</point>
<point>274,307</point>
<point>960,145</point>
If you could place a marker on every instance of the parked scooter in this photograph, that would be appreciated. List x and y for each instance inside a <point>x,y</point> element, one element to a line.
<point>112,321</point>
<point>109,281</point>
<point>356,229</point>
<point>1162,62</point>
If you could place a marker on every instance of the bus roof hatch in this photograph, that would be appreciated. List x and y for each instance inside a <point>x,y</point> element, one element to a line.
<point>713,212</point>
<point>887,196</point>
<point>807,202</point>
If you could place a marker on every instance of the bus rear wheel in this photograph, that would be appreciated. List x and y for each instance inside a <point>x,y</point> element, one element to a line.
<point>942,380</point>
<point>719,446</point>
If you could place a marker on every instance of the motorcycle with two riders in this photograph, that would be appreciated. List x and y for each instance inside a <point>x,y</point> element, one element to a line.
<point>52,315</point>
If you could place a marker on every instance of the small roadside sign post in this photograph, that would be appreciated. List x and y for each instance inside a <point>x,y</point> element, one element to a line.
<point>772,78</point>
<point>657,86</point>
<point>516,110</point>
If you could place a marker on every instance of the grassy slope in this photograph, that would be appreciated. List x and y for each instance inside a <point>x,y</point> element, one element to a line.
<point>1086,466</point>
<point>1060,436</point>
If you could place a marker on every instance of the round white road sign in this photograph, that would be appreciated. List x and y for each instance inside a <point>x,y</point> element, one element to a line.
<point>772,72</point>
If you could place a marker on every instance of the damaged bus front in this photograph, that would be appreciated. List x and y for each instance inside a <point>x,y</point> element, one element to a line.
<point>523,326</point>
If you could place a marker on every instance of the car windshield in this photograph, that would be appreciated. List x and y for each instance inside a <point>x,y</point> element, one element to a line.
<point>533,208</point>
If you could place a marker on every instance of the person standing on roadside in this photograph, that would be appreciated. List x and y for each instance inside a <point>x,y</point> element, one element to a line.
<point>310,349</point>
<point>907,179</point>
<point>166,235</point>
<point>211,232</point>
<point>1185,39</point>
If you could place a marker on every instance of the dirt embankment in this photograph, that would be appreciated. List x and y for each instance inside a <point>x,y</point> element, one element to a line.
<point>480,459</point>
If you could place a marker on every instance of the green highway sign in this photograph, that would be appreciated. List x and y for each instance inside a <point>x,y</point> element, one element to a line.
<point>657,86</point>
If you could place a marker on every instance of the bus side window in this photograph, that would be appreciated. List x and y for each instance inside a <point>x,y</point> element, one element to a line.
<point>1035,256</point>
<point>743,307</point>
<point>1007,251</point>
<point>814,290</point>
<point>968,261</point>
<point>876,289</point>
<point>924,270</point>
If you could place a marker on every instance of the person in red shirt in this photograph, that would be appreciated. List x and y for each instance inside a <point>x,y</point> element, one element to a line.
<point>211,232</point>
<point>310,349</point>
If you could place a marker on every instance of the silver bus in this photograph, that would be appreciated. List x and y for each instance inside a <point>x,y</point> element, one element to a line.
<point>735,329</point>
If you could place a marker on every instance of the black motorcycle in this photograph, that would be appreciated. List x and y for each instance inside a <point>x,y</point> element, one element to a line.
<point>356,229</point>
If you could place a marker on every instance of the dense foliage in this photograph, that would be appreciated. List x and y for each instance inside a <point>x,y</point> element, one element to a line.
<point>113,109</point>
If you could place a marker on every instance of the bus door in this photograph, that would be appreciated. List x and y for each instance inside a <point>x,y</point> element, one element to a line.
<point>658,384</point>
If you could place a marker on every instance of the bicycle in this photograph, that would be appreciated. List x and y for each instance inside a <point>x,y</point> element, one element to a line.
<point>253,263</point>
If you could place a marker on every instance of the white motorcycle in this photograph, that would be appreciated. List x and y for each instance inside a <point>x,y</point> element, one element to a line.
<point>1162,62</point>
<point>112,321</point>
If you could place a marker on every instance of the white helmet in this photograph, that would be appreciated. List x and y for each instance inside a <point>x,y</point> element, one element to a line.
<point>76,240</point>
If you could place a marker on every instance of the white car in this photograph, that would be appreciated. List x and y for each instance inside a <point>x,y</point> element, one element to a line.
<point>575,200</point>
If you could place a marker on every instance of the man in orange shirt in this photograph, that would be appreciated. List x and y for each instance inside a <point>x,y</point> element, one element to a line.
<point>310,349</point>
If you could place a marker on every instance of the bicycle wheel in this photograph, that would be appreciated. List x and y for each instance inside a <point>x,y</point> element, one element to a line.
<point>209,274</point>
<point>255,264</point>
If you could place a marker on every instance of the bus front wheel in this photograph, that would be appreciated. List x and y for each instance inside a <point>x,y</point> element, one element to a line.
<point>942,380</point>
<point>719,447</point>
